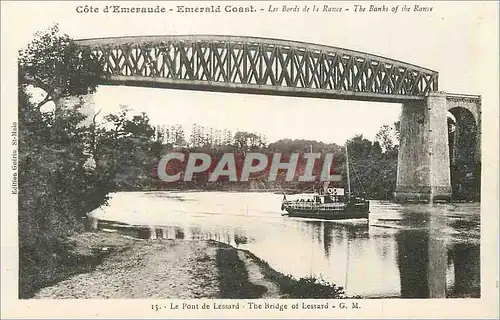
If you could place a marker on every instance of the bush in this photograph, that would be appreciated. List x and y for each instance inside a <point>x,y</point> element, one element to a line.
<point>307,288</point>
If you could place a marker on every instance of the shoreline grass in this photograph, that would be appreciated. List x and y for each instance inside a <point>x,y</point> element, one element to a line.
<point>298,288</point>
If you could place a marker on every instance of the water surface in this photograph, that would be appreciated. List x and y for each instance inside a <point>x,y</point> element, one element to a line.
<point>410,251</point>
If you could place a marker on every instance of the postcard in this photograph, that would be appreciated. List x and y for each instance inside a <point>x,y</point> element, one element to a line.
<point>258,159</point>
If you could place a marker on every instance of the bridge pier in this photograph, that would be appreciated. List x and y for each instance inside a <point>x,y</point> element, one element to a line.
<point>423,161</point>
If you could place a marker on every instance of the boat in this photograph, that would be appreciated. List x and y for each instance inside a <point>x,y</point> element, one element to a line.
<point>327,203</point>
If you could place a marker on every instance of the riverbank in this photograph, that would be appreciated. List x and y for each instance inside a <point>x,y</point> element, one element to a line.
<point>227,190</point>
<point>126,267</point>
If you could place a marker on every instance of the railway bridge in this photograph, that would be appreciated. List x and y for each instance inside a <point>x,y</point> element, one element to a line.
<point>289,68</point>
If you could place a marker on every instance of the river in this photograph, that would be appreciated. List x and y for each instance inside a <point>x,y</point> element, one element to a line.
<point>409,251</point>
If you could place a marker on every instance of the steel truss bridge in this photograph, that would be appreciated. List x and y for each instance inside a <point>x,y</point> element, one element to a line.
<point>259,66</point>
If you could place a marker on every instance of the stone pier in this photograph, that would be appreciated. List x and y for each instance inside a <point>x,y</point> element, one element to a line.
<point>423,160</point>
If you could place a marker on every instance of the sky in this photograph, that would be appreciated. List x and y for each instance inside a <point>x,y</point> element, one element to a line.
<point>276,117</point>
<point>450,40</point>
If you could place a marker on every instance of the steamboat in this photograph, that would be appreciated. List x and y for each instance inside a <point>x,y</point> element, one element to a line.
<point>328,203</point>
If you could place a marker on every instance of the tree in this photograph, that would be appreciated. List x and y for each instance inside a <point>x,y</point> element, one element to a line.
<point>386,137</point>
<point>139,127</point>
<point>228,138</point>
<point>178,138</point>
<point>130,149</point>
<point>56,64</point>
<point>57,188</point>
<point>194,139</point>
<point>245,141</point>
<point>397,129</point>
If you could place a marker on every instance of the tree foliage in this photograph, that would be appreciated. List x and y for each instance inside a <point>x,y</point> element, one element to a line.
<point>373,172</point>
<point>130,149</point>
<point>56,64</point>
<point>57,186</point>
<point>387,138</point>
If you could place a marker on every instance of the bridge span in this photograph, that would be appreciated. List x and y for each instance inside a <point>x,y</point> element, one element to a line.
<point>260,66</point>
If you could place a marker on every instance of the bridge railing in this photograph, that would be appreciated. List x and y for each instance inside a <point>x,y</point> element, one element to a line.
<point>451,95</point>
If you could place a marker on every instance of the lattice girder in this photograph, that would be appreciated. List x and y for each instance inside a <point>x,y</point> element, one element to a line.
<point>259,65</point>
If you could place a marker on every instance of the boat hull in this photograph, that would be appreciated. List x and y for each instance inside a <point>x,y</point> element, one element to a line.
<point>354,210</point>
<point>335,215</point>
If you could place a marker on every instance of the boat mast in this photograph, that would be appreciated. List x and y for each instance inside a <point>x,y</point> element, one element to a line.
<point>311,150</point>
<point>348,177</point>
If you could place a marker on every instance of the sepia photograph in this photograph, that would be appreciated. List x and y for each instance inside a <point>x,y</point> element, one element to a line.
<point>238,158</point>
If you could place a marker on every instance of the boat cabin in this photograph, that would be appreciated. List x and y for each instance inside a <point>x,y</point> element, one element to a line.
<point>317,198</point>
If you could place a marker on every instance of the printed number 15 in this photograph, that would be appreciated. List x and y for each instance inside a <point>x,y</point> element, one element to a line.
<point>155,307</point>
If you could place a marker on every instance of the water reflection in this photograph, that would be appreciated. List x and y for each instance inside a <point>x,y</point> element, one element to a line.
<point>402,251</point>
<point>465,260</point>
